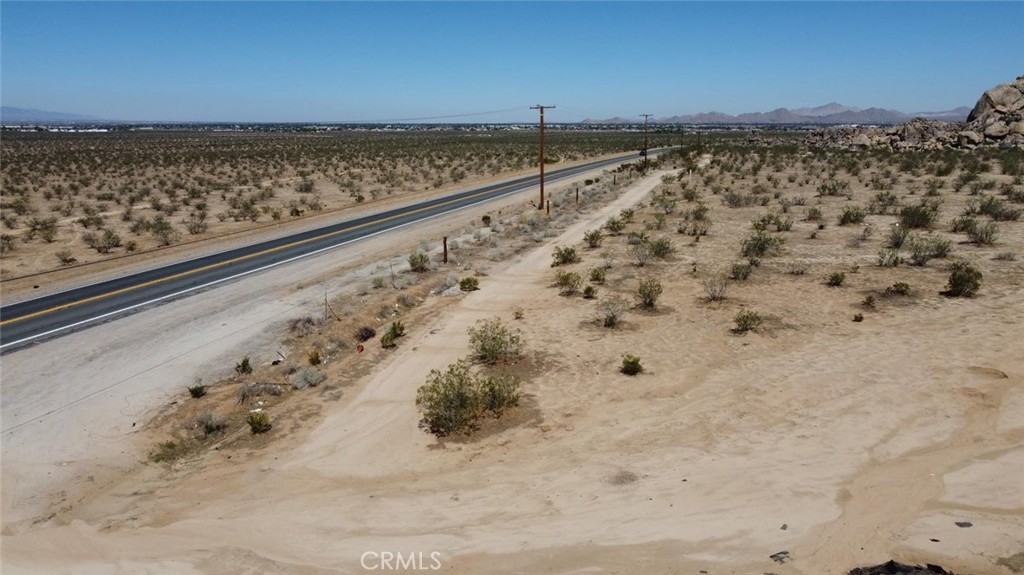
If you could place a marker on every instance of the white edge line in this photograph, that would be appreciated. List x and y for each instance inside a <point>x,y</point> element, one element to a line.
<point>273,265</point>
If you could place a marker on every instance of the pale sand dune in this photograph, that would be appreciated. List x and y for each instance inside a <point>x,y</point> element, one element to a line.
<point>866,440</point>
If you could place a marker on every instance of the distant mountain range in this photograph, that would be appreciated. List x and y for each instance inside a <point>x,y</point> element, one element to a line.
<point>831,113</point>
<point>12,115</point>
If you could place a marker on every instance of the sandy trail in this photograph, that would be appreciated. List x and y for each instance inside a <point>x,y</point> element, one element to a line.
<point>858,444</point>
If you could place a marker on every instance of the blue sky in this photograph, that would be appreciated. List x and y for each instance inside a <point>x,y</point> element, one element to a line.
<point>335,61</point>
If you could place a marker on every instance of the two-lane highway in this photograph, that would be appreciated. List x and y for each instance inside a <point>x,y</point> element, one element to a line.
<point>27,322</point>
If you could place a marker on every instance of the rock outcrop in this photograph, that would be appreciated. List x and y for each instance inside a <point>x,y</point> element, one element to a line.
<point>996,120</point>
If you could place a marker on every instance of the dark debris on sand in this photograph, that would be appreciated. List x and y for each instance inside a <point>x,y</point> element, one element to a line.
<point>894,568</point>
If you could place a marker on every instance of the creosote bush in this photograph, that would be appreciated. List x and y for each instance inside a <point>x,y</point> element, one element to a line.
<point>568,283</point>
<point>259,422</point>
<point>761,244</point>
<point>964,280</point>
<point>390,338</point>
<point>491,342</point>
<point>747,320</point>
<point>197,390</point>
<point>898,288</point>
<point>597,276</point>
<point>648,292</point>
<point>419,261</point>
<point>741,271</point>
<point>631,365</point>
<point>611,309</point>
<point>593,238</point>
<point>469,284</point>
<point>365,333</point>
<point>453,401</point>
<point>715,288</point>
<point>564,256</point>
<point>836,279</point>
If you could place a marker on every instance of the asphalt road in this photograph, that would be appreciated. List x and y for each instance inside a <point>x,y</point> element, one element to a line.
<point>31,321</point>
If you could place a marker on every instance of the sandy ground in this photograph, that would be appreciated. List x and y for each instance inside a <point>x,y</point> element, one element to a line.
<point>839,443</point>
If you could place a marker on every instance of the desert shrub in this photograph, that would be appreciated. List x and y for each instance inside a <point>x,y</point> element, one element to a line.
<point>662,248</point>
<point>640,253</point>
<point>923,249</point>
<point>920,216</point>
<point>491,341</point>
<point>564,255</point>
<point>611,309</point>
<point>6,243</point>
<point>365,333</point>
<point>518,313</point>
<point>858,317</point>
<point>197,389</point>
<point>747,320</point>
<point>419,261</point>
<point>210,423</point>
<point>307,377</point>
<point>614,225</point>
<point>814,215</point>
<point>631,365</point>
<point>715,288</point>
<point>593,238</point>
<point>313,357</point>
<point>834,187</point>
<point>243,367</point>
<point>469,284</point>
<point>390,338</point>
<point>984,235</point>
<point>452,401</point>
<point>869,302</point>
<point>741,271</point>
<point>761,244</point>
<point>259,422</point>
<point>589,292</point>
<point>648,292</point>
<point>568,283</point>
<point>836,279</point>
<point>597,275</point>
<point>852,215</point>
<point>898,288</point>
<point>1006,256</point>
<point>65,257</point>
<point>897,235</point>
<point>634,238</point>
<point>964,280</point>
<point>964,224</point>
<point>251,390</point>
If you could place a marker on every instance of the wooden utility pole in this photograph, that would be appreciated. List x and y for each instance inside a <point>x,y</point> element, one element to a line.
<point>644,154</point>
<point>540,206</point>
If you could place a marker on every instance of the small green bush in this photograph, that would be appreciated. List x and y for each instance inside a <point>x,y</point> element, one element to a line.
<point>889,258</point>
<point>920,216</point>
<point>314,357</point>
<point>597,276</point>
<point>491,341</point>
<point>259,422</point>
<point>593,238</point>
<point>564,256</point>
<point>631,365</point>
<point>197,390</point>
<point>898,288</point>
<point>662,248</point>
<point>923,249</point>
<point>209,423</point>
<point>243,367</point>
<point>648,292</point>
<point>568,283</point>
<point>419,261</point>
<point>836,279</point>
<point>984,235</point>
<point>964,224</point>
<point>741,271</point>
<point>469,284</point>
<point>897,236</point>
<point>452,401</point>
<point>964,280</point>
<point>761,244</point>
<point>589,292</point>
<point>852,215</point>
<point>614,225</point>
<point>747,320</point>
